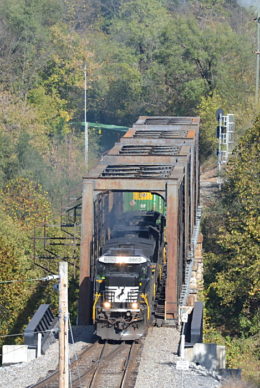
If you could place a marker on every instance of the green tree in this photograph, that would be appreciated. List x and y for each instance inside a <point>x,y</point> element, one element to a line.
<point>172,61</point>
<point>207,112</point>
<point>235,261</point>
<point>14,266</point>
<point>26,43</point>
<point>211,57</point>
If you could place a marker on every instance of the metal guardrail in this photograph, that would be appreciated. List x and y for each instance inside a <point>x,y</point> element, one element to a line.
<point>43,322</point>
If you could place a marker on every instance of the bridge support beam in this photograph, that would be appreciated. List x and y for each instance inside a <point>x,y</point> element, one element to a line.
<point>87,226</point>
<point>171,308</point>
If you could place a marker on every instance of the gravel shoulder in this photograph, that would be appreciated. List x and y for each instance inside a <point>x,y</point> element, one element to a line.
<point>158,364</point>
<point>26,374</point>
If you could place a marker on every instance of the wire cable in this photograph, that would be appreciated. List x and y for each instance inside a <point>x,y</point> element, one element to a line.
<point>45,279</point>
<point>75,353</point>
<point>21,334</point>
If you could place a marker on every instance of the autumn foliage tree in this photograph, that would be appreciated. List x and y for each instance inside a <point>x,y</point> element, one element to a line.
<point>26,202</point>
<point>14,247</point>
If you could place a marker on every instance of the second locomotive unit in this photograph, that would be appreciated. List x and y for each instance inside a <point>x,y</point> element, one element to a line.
<point>127,274</point>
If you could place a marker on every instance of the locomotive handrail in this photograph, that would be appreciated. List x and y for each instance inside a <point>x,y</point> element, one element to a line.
<point>144,296</point>
<point>97,296</point>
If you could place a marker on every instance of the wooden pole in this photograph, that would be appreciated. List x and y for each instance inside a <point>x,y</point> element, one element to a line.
<point>85,117</point>
<point>63,324</point>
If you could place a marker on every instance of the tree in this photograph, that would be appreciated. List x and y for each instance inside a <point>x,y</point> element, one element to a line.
<point>236,285</point>
<point>26,43</point>
<point>153,61</point>
<point>211,56</point>
<point>14,266</point>
<point>26,203</point>
<point>207,112</point>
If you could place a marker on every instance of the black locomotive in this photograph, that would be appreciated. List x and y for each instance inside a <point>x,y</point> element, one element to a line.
<point>127,274</point>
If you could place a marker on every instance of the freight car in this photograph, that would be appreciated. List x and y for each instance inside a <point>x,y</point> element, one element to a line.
<point>138,214</point>
<point>127,275</point>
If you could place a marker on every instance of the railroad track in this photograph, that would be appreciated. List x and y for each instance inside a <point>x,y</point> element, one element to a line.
<point>110,365</point>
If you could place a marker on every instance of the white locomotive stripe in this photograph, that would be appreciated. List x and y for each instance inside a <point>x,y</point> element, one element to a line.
<point>121,294</point>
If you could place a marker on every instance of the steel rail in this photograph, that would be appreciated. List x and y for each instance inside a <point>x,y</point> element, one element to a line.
<point>98,363</point>
<point>129,365</point>
<point>51,378</point>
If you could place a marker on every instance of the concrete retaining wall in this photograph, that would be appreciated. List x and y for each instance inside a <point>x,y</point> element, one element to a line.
<point>13,354</point>
<point>211,356</point>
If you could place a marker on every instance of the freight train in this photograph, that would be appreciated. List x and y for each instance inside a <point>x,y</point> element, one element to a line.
<point>138,215</point>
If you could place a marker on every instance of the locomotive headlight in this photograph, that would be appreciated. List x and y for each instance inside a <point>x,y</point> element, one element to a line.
<point>107,305</point>
<point>134,305</point>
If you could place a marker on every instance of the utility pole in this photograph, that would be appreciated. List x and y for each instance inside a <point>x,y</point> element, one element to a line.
<point>85,117</point>
<point>257,59</point>
<point>220,123</point>
<point>219,117</point>
<point>63,325</point>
